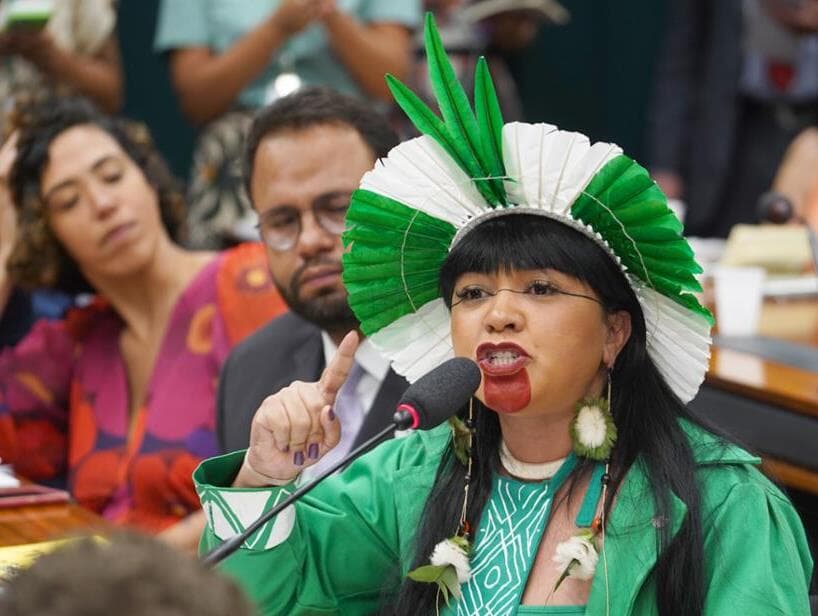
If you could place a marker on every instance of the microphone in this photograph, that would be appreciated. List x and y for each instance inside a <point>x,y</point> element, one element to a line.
<point>438,394</point>
<point>427,403</point>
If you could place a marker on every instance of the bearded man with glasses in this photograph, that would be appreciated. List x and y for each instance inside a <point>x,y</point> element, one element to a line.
<point>305,155</point>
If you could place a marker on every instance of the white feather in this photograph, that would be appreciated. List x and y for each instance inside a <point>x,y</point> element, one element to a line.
<point>418,342</point>
<point>549,168</point>
<point>419,173</point>
<point>678,342</point>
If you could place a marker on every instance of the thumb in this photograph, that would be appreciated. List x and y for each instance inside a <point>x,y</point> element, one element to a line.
<point>331,427</point>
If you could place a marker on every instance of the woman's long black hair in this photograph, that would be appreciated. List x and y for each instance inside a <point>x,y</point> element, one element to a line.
<point>645,410</point>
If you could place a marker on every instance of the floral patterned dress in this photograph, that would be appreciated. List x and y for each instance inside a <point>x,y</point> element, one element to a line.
<point>64,396</point>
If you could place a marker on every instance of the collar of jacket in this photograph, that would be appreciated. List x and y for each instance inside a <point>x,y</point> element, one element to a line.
<point>630,540</point>
<point>631,545</point>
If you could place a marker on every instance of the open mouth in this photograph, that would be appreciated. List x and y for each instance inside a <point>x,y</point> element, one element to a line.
<point>501,359</point>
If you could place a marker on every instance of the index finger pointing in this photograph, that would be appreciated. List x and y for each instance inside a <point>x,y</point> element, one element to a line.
<point>338,368</point>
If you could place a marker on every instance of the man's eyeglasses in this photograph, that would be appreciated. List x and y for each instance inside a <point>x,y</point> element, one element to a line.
<point>281,227</point>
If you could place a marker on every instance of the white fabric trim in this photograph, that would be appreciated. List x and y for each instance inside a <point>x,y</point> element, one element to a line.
<point>225,507</point>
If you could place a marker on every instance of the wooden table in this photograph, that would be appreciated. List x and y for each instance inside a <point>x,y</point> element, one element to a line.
<point>743,387</point>
<point>35,523</point>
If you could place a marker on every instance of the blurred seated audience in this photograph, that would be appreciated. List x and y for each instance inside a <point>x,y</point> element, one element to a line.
<point>76,52</point>
<point>228,58</point>
<point>131,575</point>
<point>22,308</point>
<point>118,398</point>
<point>736,81</point>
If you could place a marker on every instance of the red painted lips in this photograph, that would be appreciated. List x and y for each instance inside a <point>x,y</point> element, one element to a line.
<point>501,359</point>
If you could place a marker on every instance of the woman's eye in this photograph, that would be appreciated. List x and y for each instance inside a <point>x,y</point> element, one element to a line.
<point>112,178</point>
<point>542,288</point>
<point>62,205</point>
<point>471,293</point>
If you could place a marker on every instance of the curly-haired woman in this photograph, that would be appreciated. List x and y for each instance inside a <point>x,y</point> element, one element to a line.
<point>118,398</point>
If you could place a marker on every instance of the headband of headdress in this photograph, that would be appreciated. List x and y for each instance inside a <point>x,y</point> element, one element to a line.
<point>468,167</point>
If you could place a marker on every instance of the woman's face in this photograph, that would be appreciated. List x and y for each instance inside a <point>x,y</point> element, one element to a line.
<point>541,338</point>
<point>100,205</point>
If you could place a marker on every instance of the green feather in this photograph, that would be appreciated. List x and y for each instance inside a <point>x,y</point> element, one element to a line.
<point>489,121</point>
<point>393,258</point>
<point>425,119</point>
<point>454,106</point>
<point>475,144</point>
<point>641,230</point>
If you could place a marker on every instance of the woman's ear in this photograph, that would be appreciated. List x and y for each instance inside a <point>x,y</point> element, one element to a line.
<point>619,331</point>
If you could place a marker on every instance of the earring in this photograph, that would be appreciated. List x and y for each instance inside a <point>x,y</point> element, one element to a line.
<point>593,431</point>
<point>449,565</point>
<point>462,438</point>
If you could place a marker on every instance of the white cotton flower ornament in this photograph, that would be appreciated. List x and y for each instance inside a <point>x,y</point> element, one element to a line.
<point>449,567</point>
<point>593,430</point>
<point>577,557</point>
<point>591,426</point>
<point>448,552</point>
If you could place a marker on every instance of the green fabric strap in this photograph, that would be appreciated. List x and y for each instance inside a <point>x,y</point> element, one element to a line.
<point>585,517</point>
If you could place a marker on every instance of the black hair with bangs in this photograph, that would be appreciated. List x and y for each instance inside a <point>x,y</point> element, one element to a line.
<point>535,242</point>
<point>645,409</point>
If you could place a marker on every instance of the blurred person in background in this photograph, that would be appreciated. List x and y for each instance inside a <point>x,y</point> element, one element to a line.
<point>737,80</point>
<point>305,155</point>
<point>797,179</point>
<point>22,308</point>
<point>119,397</point>
<point>131,575</point>
<point>228,58</point>
<point>76,52</point>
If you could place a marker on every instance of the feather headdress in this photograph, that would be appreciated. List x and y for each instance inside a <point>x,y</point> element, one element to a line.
<point>416,204</point>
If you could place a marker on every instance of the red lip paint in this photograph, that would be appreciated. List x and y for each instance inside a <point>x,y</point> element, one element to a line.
<point>508,393</point>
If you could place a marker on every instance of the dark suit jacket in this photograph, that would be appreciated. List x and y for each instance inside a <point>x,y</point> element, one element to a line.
<point>694,113</point>
<point>285,350</point>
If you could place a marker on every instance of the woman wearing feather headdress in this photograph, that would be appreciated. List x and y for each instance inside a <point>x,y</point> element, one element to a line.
<point>575,481</point>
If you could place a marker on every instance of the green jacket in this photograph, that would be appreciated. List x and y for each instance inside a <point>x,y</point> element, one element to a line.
<point>350,538</point>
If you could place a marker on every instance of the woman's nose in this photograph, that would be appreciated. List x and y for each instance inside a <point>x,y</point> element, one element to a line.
<point>102,201</point>
<point>504,312</point>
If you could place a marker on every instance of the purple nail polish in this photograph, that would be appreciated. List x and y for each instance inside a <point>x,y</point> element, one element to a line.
<point>331,414</point>
<point>298,458</point>
<point>312,451</point>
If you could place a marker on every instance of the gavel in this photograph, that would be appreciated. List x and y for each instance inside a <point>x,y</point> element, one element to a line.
<point>776,208</point>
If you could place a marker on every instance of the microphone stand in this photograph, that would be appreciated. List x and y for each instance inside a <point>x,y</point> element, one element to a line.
<point>224,550</point>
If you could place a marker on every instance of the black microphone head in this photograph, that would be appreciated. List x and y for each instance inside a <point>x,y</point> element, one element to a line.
<point>439,394</point>
<point>775,207</point>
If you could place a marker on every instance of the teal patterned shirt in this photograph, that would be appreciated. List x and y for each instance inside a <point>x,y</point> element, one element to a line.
<point>506,545</point>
